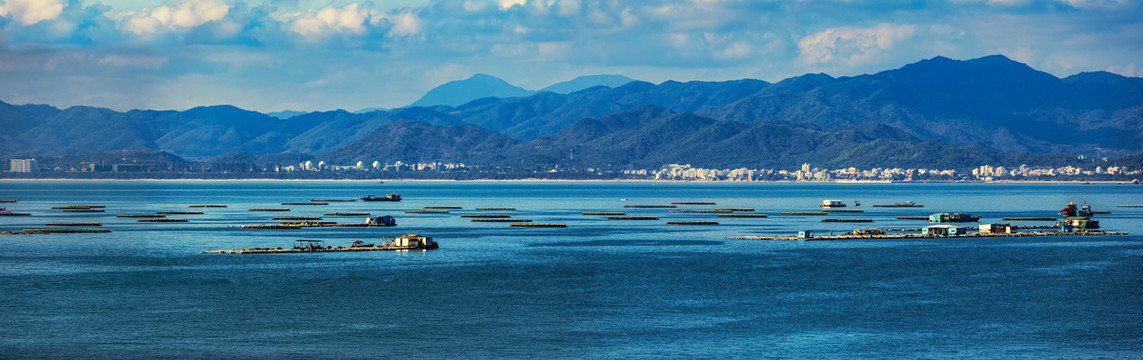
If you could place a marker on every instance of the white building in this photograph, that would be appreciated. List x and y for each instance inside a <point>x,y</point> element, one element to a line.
<point>23,166</point>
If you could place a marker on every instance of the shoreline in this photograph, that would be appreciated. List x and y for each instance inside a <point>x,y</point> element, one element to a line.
<point>846,182</point>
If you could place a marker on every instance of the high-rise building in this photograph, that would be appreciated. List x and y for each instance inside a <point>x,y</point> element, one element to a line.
<point>23,166</point>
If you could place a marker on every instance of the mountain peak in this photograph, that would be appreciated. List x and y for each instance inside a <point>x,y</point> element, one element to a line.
<point>587,82</point>
<point>477,86</point>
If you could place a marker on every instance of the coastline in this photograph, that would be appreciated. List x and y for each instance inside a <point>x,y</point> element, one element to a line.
<point>534,180</point>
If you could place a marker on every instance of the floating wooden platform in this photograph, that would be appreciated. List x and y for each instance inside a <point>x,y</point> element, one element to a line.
<point>715,211</point>
<point>496,209</point>
<point>305,203</point>
<point>1031,218</point>
<point>297,218</point>
<point>73,224</point>
<point>693,203</point>
<point>82,210</point>
<point>347,214</point>
<point>804,213</point>
<point>180,212</point>
<point>333,200</point>
<point>847,220</point>
<point>66,230</point>
<point>692,223</point>
<point>78,207</point>
<point>501,220</point>
<point>539,225</point>
<point>141,215</point>
<point>12,213</point>
<point>743,215</point>
<point>844,210</point>
<point>633,218</point>
<point>1131,206</point>
<point>270,209</point>
<point>208,206</point>
<point>162,220</point>
<point>486,216</point>
<point>606,213</point>
<point>270,226</point>
<point>444,207</point>
<point>426,211</point>
<point>650,206</point>
<point>849,236</point>
<point>300,251</point>
<point>912,218</point>
<point>738,209</point>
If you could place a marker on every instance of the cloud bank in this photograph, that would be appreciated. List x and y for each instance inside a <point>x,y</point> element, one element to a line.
<point>272,55</point>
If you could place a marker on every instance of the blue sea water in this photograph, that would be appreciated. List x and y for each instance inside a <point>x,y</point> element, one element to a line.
<point>596,289</point>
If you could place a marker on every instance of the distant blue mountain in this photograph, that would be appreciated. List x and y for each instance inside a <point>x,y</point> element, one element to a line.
<point>938,111</point>
<point>586,82</point>
<point>286,114</point>
<point>460,92</point>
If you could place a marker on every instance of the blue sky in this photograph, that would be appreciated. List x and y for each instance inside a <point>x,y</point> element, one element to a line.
<point>270,55</point>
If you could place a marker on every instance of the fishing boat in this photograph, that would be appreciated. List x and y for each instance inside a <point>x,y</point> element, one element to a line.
<point>832,203</point>
<point>390,197</point>
<point>904,204</point>
<point>953,217</point>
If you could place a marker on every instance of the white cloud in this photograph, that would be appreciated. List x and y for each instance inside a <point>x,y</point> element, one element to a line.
<point>177,18</point>
<point>404,23</point>
<point>1100,4</point>
<point>851,46</point>
<point>29,12</point>
<point>349,19</point>
<point>506,4</point>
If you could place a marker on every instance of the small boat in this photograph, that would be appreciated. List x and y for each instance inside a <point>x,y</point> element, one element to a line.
<point>390,197</point>
<point>953,217</point>
<point>904,204</point>
<point>360,243</point>
<point>832,203</point>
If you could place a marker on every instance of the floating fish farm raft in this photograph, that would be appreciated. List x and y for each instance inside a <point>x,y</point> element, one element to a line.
<point>161,220</point>
<point>693,203</point>
<point>501,220</point>
<point>208,206</point>
<point>743,215</point>
<point>333,200</point>
<point>304,203</point>
<point>496,209</point>
<point>486,216</point>
<point>633,218</point>
<point>850,236</point>
<point>73,224</point>
<point>538,225</point>
<point>1030,219</point>
<point>270,209</point>
<point>180,212</point>
<point>605,213</point>
<point>426,211</point>
<point>650,206</point>
<point>700,222</point>
<point>804,213</point>
<point>141,215</point>
<point>847,220</point>
<point>347,214</point>
<point>444,207</point>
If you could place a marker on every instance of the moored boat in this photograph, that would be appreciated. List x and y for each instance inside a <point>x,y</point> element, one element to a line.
<point>832,203</point>
<point>904,204</point>
<point>390,197</point>
<point>953,217</point>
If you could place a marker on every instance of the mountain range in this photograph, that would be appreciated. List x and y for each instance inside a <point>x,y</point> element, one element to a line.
<point>934,113</point>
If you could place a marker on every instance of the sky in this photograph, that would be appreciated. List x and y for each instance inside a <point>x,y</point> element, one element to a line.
<point>309,55</point>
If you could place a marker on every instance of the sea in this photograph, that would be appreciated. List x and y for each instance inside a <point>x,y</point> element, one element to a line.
<point>598,288</point>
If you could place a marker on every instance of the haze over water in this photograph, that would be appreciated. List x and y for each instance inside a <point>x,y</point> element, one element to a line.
<point>596,289</point>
